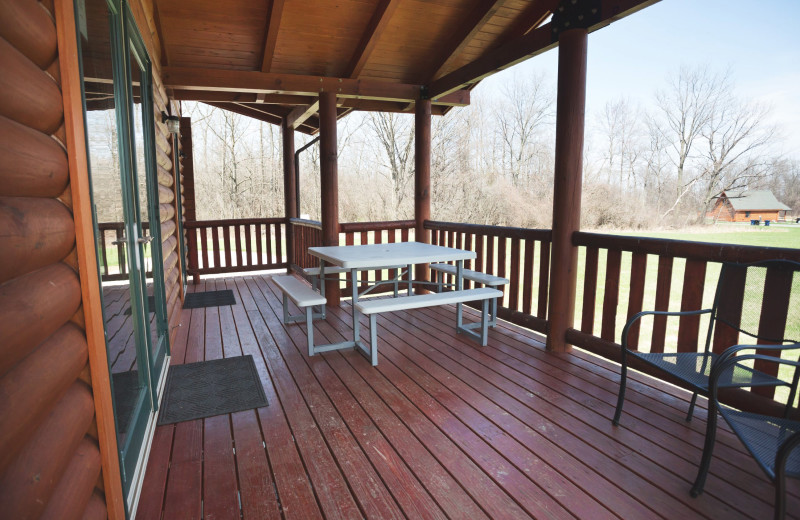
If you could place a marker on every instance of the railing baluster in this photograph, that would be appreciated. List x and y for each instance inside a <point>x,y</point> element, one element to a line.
<point>513,290</point>
<point>694,278</point>
<point>248,245</point>
<point>611,298</point>
<point>259,258</point>
<point>544,277</point>
<point>636,295</point>
<point>527,282</point>
<point>226,239</point>
<point>663,287</point>
<point>589,290</point>
<point>278,244</point>
<point>238,230</point>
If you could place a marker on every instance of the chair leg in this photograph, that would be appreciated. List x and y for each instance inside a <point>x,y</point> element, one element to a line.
<point>691,407</point>
<point>621,398</point>
<point>780,497</point>
<point>708,450</point>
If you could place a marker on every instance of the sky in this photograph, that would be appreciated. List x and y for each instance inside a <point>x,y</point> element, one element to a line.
<point>758,40</point>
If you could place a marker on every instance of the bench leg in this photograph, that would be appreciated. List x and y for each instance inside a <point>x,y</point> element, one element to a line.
<point>485,321</point>
<point>285,308</point>
<point>373,338</point>
<point>493,318</point>
<point>310,329</point>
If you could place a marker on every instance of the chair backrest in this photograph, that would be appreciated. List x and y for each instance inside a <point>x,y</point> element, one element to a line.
<point>759,300</point>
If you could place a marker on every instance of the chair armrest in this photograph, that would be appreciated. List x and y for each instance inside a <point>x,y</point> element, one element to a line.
<point>641,314</point>
<point>721,365</point>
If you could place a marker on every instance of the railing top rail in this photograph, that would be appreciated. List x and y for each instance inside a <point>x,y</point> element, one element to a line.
<point>355,227</point>
<point>501,231</point>
<point>192,224</point>
<point>704,251</point>
<point>305,222</point>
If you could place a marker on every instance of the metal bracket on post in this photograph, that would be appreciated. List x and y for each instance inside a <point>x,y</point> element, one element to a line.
<point>575,15</point>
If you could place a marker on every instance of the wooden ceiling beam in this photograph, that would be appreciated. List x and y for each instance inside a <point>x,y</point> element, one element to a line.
<point>241,97</point>
<point>271,33</point>
<point>300,114</point>
<point>377,24</point>
<point>368,105</point>
<point>462,34</point>
<point>530,19</point>
<point>514,51</point>
<point>261,116</point>
<point>186,78</point>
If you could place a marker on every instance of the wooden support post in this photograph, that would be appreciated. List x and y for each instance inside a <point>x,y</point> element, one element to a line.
<point>289,188</point>
<point>189,211</point>
<point>422,179</point>
<point>570,118</point>
<point>329,182</point>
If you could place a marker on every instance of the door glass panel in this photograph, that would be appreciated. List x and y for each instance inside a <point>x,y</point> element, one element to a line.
<point>114,224</point>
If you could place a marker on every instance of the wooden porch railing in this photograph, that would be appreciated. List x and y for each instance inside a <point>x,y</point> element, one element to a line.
<point>624,275</point>
<point>519,254</point>
<point>250,244</point>
<point>305,234</point>
<point>111,232</point>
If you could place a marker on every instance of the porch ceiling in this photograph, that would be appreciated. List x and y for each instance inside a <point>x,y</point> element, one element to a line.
<point>268,56</point>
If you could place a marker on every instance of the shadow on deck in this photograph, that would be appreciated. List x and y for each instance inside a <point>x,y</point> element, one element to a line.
<point>441,428</point>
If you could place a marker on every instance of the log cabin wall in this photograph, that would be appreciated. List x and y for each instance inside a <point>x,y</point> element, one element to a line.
<point>50,460</point>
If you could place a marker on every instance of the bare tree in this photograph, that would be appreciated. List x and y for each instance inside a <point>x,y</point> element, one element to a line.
<point>395,135</point>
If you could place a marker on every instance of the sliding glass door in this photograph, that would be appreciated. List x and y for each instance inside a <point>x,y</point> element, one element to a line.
<point>117,88</point>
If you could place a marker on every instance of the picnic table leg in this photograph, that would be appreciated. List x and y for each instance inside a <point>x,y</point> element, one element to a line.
<point>354,283</point>
<point>323,309</point>
<point>410,276</point>
<point>459,283</point>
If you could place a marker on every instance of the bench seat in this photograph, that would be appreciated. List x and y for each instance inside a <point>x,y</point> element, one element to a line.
<point>475,276</point>
<point>372,308</point>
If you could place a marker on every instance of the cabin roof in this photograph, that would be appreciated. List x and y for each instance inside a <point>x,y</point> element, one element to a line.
<point>266,58</point>
<point>754,200</point>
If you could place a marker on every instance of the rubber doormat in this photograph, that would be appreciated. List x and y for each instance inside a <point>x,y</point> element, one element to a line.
<point>151,304</point>
<point>209,388</point>
<point>209,299</point>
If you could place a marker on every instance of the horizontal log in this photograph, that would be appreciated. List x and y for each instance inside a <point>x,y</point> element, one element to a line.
<point>30,97</point>
<point>543,235</point>
<point>163,160</point>
<point>164,177</point>
<point>33,165</point>
<point>166,211</point>
<point>360,227</point>
<point>96,509</point>
<point>35,233</point>
<point>165,195</point>
<point>33,307</point>
<point>167,229</point>
<point>170,261</point>
<point>30,29</point>
<point>702,251</point>
<point>29,391</point>
<point>736,397</point>
<point>76,488</point>
<point>168,245</point>
<point>29,481</point>
<point>195,224</point>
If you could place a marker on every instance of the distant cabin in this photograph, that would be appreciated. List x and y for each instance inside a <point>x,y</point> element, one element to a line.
<point>743,206</point>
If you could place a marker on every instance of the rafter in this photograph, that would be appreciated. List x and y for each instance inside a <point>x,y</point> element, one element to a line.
<point>300,114</point>
<point>377,24</point>
<point>271,33</point>
<point>462,34</point>
<point>256,114</point>
<point>514,51</point>
<point>185,78</point>
<point>241,97</point>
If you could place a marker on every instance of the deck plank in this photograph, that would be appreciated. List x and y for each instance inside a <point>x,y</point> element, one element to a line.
<point>441,428</point>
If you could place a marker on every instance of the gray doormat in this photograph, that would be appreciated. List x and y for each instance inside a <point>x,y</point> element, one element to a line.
<point>209,388</point>
<point>209,299</point>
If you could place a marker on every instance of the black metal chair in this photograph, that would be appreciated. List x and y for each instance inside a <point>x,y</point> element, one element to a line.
<point>739,307</point>
<point>772,441</point>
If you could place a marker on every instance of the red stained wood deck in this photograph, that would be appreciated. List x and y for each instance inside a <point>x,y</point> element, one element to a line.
<point>441,428</point>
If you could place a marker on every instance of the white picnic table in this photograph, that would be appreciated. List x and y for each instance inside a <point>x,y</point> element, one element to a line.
<point>376,256</point>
